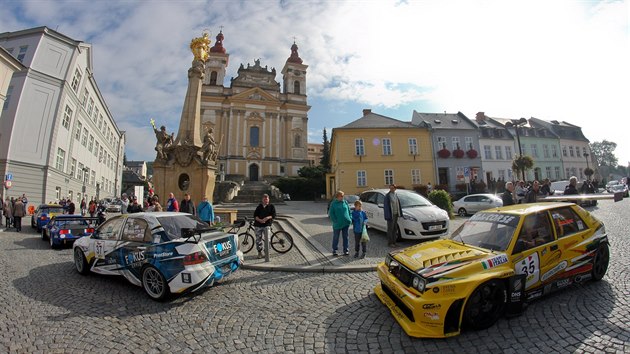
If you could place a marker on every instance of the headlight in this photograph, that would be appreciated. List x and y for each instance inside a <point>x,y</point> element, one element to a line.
<point>422,284</point>
<point>409,217</point>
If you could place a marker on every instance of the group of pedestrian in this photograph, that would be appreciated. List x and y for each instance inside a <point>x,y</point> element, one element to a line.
<point>342,217</point>
<point>14,209</point>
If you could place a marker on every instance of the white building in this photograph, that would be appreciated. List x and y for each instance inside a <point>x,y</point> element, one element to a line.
<point>58,136</point>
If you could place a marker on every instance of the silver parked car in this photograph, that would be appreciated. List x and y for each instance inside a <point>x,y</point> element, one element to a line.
<point>473,203</point>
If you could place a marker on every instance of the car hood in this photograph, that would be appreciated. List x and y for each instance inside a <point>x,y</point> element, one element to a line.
<point>441,257</point>
<point>427,213</point>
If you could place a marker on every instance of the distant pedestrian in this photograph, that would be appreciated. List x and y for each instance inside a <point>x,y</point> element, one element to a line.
<point>545,190</point>
<point>156,204</point>
<point>92,208</point>
<point>18,213</point>
<point>264,215</point>
<point>71,207</point>
<point>125,203</point>
<point>392,210</point>
<point>508,195</point>
<point>429,188</point>
<point>172,204</point>
<point>83,206</point>
<point>571,189</point>
<point>359,222</point>
<point>520,191</point>
<point>8,212</point>
<point>134,207</point>
<point>187,205</point>
<point>205,210</point>
<point>339,214</point>
<point>532,194</point>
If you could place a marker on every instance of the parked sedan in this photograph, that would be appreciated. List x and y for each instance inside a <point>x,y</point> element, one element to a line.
<point>43,214</point>
<point>64,229</point>
<point>114,207</point>
<point>473,203</point>
<point>421,219</point>
<point>164,252</point>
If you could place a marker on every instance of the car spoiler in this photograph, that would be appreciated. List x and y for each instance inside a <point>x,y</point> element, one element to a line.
<point>194,235</point>
<point>89,219</point>
<point>572,198</point>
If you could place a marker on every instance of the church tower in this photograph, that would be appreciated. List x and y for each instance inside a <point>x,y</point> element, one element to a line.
<point>217,63</point>
<point>294,74</point>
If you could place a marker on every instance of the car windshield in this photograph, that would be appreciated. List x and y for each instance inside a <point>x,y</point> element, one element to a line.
<point>173,225</point>
<point>618,187</point>
<point>55,210</point>
<point>410,199</point>
<point>491,231</point>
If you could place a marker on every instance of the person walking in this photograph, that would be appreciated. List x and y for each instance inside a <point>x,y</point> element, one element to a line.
<point>18,213</point>
<point>8,212</point>
<point>359,221</point>
<point>83,207</point>
<point>205,211</point>
<point>264,215</point>
<point>508,195</point>
<point>392,210</point>
<point>532,194</point>
<point>187,205</point>
<point>339,214</point>
<point>92,208</point>
<point>71,207</point>
<point>171,204</point>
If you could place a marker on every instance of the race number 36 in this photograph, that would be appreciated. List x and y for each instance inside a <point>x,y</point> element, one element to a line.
<point>530,266</point>
<point>99,249</point>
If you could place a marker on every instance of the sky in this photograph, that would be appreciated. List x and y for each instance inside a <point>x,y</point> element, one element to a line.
<point>553,60</point>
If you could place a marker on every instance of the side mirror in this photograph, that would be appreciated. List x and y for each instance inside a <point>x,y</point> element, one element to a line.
<point>519,247</point>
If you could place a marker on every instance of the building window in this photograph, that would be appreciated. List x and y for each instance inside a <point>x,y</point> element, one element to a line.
<point>534,150</point>
<point>61,157</point>
<point>568,173</point>
<point>253,136</point>
<point>77,134</point>
<point>361,179</point>
<point>359,148</point>
<point>415,176</point>
<point>91,144</point>
<point>58,193</point>
<point>22,53</point>
<point>502,175</point>
<point>213,78</point>
<point>96,146</point>
<point>581,173</point>
<point>389,177</point>
<point>455,142</point>
<point>6,102</point>
<point>469,142</point>
<point>298,140</point>
<point>557,172</point>
<point>498,153</point>
<point>548,172</point>
<point>508,152</point>
<point>90,107</point>
<point>76,80</point>
<point>85,137</point>
<point>413,146</point>
<point>100,122</point>
<point>86,95</point>
<point>86,176</point>
<point>564,151</point>
<point>441,140</point>
<point>577,151</point>
<point>546,151</point>
<point>387,146</point>
<point>93,178</point>
<point>583,150</point>
<point>73,167</point>
<point>67,117</point>
<point>80,172</point>
<point>96,113</point>
<point>296,87</point>
<point>554,151</point>
<point>100,154</point>
<point>571,151</point>
<point>487,152</point>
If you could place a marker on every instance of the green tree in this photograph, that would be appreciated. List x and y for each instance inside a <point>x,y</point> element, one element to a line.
<point>125,159</point>
<point>604,152</point>
<point>325,161</point>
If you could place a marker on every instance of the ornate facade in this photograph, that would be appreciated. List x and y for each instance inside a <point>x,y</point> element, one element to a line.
<point>260,127</point>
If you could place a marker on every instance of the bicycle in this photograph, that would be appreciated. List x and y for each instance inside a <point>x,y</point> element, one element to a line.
<point>281,241</point>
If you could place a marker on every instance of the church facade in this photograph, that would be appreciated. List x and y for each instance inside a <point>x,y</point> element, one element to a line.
<point>259,125</point>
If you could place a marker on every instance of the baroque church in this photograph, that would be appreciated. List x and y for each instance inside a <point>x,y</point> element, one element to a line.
<point>260,126</point>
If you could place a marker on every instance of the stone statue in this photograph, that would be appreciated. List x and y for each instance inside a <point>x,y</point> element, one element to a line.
<point>163,141</point>
<point>200,47</point>
<point>209,147</point>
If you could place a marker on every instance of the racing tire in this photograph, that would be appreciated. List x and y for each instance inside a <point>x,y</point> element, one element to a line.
<point>462,212</point>
<point>80,263</point>
<point>485,305</point>
<point>600,262</point>
<point>281,241</point>
<point>154,284</point>
<point>43,233</point>
<point>246,242</point>
<point>52,242</point>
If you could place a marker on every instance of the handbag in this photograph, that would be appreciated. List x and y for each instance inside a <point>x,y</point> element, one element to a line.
<point>364,235</point>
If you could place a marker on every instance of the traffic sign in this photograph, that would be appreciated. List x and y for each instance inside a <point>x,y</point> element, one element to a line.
<point>466,171</point>
<point>8,177</point>
<point>8,184</point>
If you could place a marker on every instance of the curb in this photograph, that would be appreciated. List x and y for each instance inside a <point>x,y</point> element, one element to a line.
<point>311,269</point>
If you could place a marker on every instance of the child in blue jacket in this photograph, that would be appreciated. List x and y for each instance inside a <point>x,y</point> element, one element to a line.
<point>359,220</point>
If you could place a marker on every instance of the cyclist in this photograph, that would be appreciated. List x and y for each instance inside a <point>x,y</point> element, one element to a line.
<point>264,215</point>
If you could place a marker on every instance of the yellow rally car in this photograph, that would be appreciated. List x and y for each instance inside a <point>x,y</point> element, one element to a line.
<point>495,262</point>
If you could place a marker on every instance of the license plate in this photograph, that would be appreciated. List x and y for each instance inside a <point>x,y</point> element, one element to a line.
<point>435,227</point>
<point>226,269</point>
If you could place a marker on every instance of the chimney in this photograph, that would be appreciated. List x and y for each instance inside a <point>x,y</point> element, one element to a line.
<point>481,116</point>
<point>366,111</point>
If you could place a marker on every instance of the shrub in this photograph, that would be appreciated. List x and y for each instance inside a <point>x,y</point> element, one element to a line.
<point>442,200</point>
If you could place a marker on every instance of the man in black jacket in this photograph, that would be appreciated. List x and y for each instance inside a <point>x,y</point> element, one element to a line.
<point>187,205</point>
<point>508,195</point>
<point>134,207</point>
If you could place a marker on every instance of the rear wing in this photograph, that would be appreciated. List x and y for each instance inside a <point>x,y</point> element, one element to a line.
<point>576,198</point>
<point>194,235</point>
<point>92,221</point>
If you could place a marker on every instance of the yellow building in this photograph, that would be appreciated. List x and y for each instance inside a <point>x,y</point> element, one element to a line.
<point>315,153</point>
<point>375,151</point>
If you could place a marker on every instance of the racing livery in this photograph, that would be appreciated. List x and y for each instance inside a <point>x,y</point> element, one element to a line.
<point>43,214</point>
<point>164,252</point>
<point>495,262</point>
<point>64,229</point>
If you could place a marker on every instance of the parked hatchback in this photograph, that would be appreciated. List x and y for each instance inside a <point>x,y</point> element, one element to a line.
<point>473,203</point>
<point>421,219</point>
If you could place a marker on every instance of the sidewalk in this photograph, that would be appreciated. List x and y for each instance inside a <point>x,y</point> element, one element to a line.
<point>311,229</point>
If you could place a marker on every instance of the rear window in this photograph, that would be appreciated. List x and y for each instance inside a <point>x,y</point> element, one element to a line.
<point>52,210</point>
<point>71,222</point>
<point>173,225</point>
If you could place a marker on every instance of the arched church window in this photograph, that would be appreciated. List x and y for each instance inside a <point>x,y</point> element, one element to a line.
<point>253,136</point>
<point>213,78</point>
<point>298,141</point>
<point>296,87</point>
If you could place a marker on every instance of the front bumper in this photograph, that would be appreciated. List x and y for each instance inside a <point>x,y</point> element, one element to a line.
<point>418,316</point>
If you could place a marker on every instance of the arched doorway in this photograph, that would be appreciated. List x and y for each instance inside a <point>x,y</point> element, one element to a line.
<point>253,172</point>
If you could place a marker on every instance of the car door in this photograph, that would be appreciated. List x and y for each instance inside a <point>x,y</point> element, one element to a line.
<point>136,237</point>
<point>103,244</point>
<point>483,203</point>
<point>539,251</point>
<point>368,200</point>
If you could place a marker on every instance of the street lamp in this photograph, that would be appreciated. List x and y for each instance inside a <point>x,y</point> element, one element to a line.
<point>85,171</point>
<point>586,158</point>
<point>515,123</point>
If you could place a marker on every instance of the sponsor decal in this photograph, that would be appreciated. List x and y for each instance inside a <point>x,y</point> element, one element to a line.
<point>448,289</point>
<point>417,255</point>
<point>432,315</point>
<point>431,306</point>
<point>529,266</point>
<point>222,248</point>
<point>563,282</point>
<point>436,289</point>
<point>186,278</point>
<point>582,277</point>
<point>553,271</point>
<point>534,294</point>
<point>496,217</point>
<point>163,254</point>
<point>493,262</point>
<point>518,284</point>
<point>134,257</point>
<point>515,296</point>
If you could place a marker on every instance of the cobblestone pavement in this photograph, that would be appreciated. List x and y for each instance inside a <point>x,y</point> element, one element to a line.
<point>48,307</point>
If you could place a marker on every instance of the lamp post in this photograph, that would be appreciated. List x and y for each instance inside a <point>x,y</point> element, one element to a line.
<point>586,158</point>
<point>85,171</point>
<point>515,123</point>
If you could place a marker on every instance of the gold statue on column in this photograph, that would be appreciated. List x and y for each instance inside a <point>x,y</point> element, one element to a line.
<point>200,47</point>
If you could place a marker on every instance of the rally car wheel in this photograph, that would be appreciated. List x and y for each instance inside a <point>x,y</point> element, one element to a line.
<point>461,212</point>
<point>485,305</point>
<point>600,262</point>
<point>43,232</point>
<point>80,263</point>
<point>154,283</point>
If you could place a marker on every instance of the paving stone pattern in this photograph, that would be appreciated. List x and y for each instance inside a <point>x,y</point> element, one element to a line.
<point>48,308</point>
